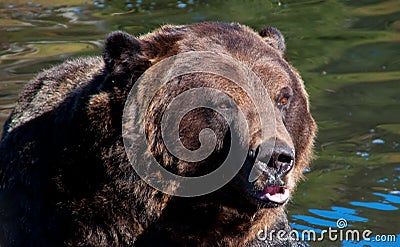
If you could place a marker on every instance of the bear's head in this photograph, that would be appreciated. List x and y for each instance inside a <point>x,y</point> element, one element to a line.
<point>279,167</point>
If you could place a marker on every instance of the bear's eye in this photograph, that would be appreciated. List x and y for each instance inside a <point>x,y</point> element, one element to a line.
<point>283,101</point>
<point>284,97</point>
<point>223,106</point>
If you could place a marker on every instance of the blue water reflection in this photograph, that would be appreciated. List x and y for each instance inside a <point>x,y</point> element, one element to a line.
<point>322,219</point>
<point>375,205</point>
<point>389,198</point>
<point>315,221</point>
<point>337,213</point>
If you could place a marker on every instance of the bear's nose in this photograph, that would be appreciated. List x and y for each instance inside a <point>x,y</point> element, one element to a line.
<point>281,160</point>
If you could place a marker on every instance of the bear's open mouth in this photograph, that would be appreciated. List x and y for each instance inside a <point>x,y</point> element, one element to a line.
<point>275,194</point>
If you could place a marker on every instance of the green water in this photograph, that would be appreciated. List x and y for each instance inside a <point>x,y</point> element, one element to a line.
<point>348,53</point>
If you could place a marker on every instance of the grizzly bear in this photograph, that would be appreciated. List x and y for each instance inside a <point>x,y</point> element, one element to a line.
<point>65,175</point>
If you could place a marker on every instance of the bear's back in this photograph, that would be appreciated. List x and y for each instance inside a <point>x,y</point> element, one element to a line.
<point>52,87</point>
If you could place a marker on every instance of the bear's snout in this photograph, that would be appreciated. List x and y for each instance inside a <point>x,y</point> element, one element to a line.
<point>272,165</point>
<point>276,164</point>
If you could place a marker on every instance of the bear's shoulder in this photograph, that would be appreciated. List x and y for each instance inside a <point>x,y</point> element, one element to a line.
<point>51,87</point>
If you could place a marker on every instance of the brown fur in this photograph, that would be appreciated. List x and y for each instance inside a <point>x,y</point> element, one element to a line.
<point>64,175</point>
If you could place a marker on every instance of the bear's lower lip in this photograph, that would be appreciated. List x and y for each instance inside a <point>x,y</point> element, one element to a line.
<point>275,194</point>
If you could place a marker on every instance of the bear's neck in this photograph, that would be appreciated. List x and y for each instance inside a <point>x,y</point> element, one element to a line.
<point>195,222</point>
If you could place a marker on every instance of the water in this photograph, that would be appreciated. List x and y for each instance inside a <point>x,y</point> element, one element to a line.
<point>348,53</point>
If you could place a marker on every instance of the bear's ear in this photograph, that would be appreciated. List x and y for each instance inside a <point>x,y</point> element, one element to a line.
<point>123,55</point>
<point>274,38</point>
